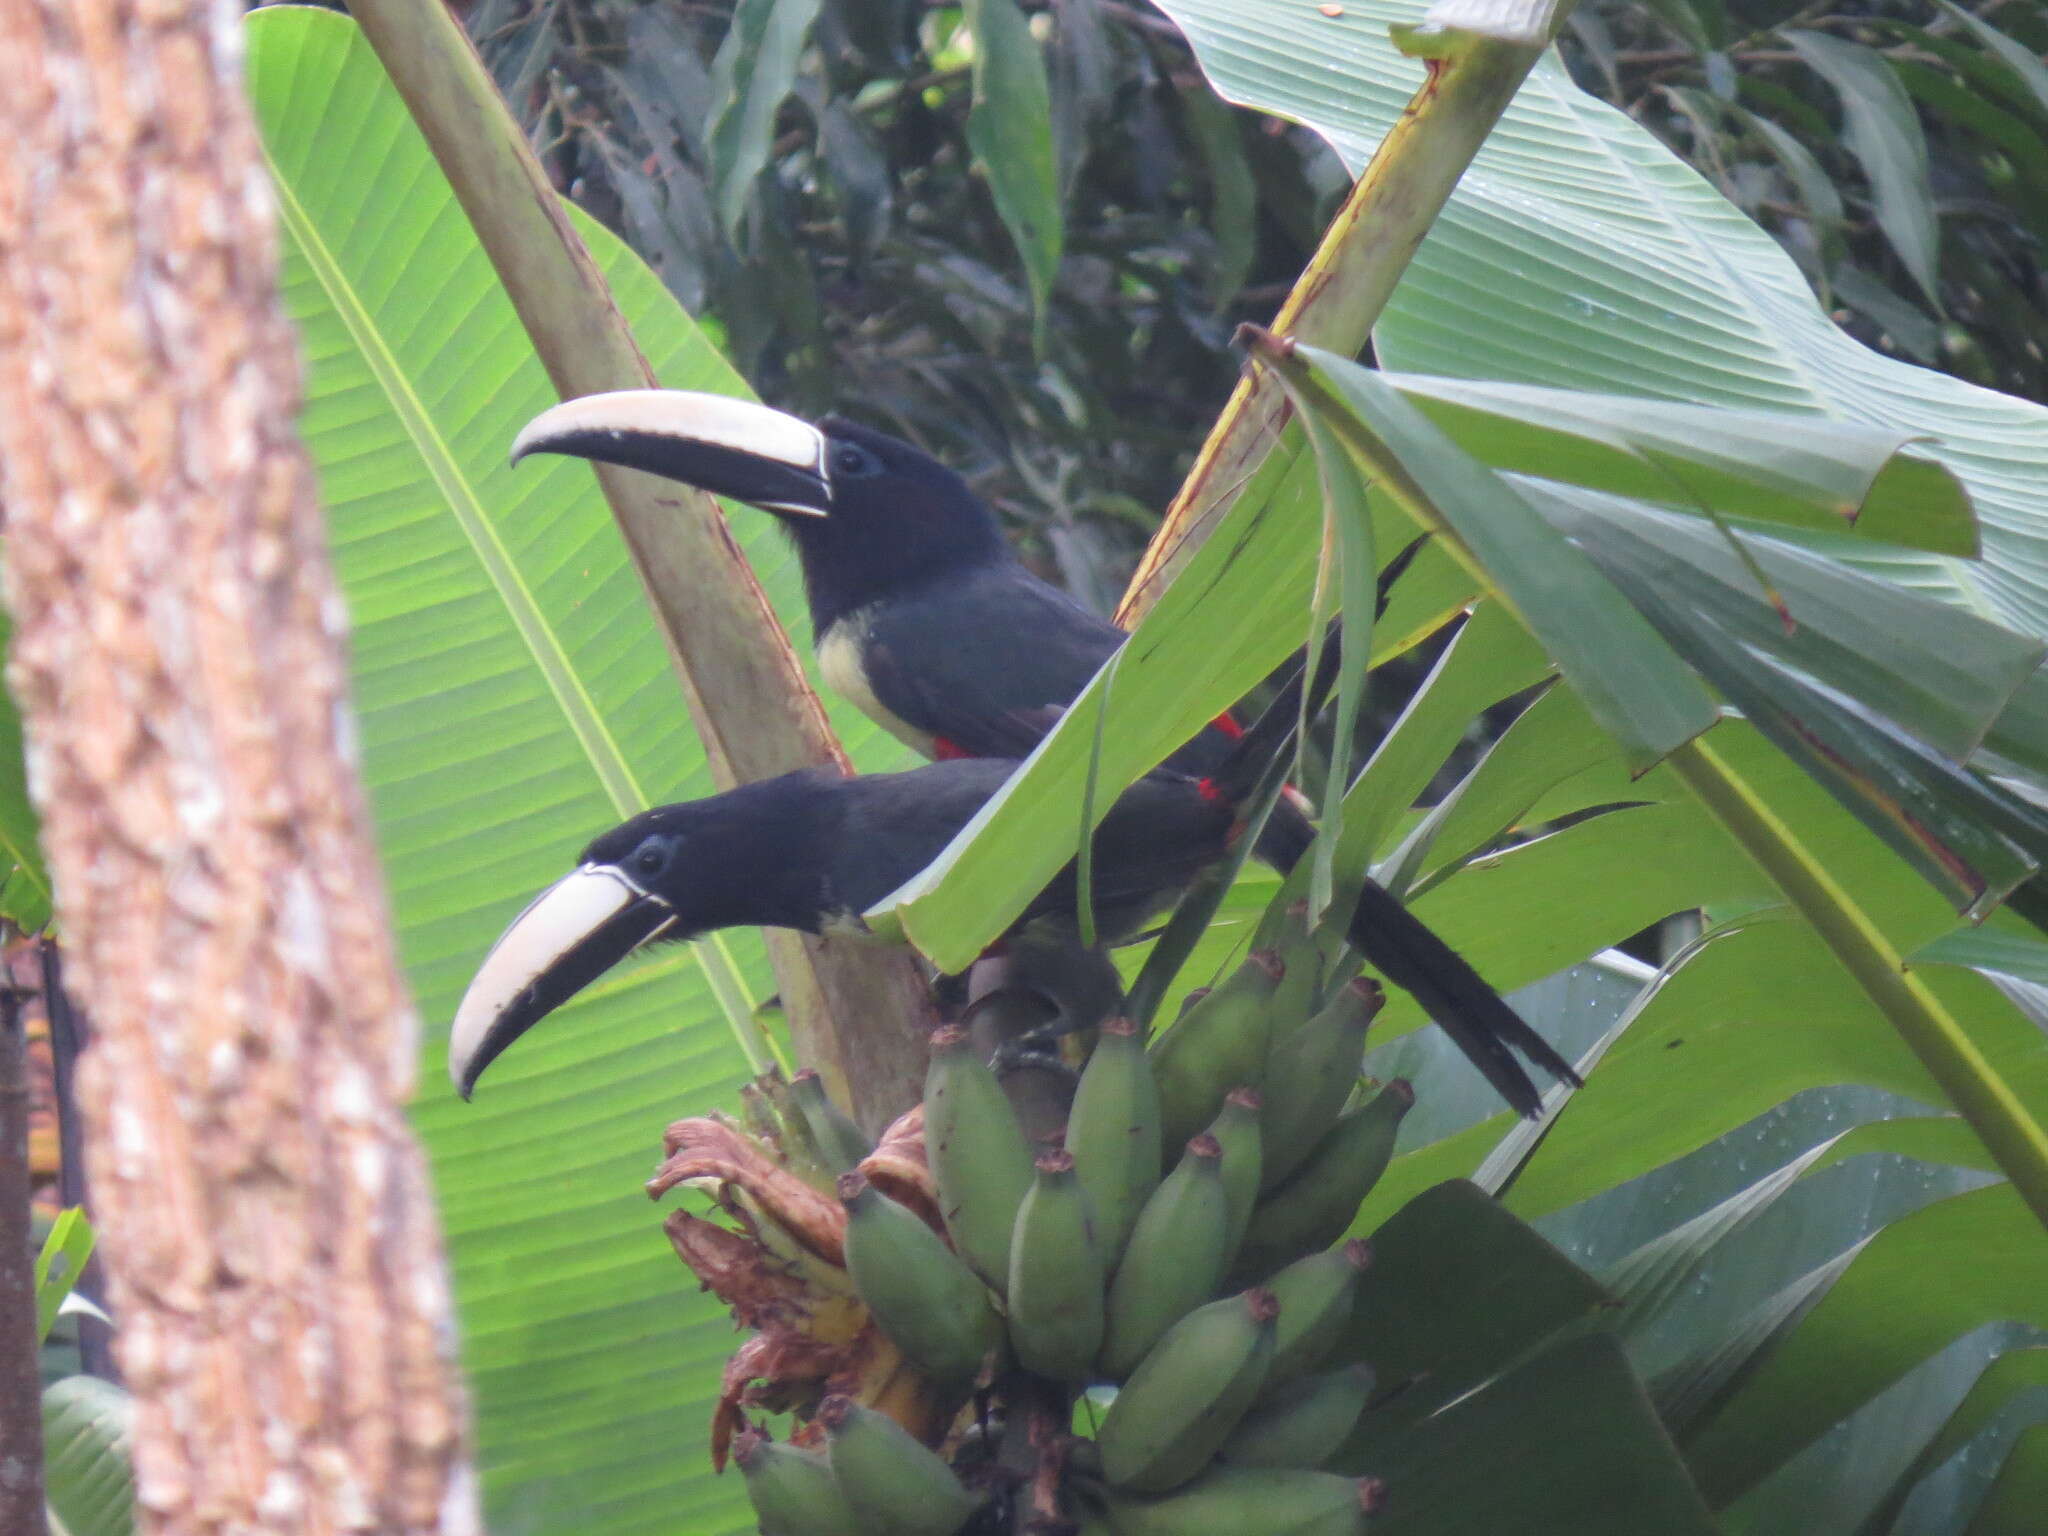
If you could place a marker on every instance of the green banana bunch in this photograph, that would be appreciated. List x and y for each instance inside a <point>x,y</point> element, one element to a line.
<point>1244,1501</point>
<point>920,1292</point>
<point>1113,1132</point>
<point>839,1141</point>
<point>1189,1393</point>
<point>891,1481</point>
<point>1309,1075</point>
<point>1057,1308</point>
<point>1173,1261</point>
<point>977,1152</point>
<point>792,1491</point>
<point>1312,1209</point>
<point>1218,1044</point>
<point>1316,1294</point>
<point>1301,1424</point>
<point>1239,1131</point>
<point>1294,938</point>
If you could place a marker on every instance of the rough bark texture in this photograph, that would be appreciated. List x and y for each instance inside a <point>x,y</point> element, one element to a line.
<point>178,658</point>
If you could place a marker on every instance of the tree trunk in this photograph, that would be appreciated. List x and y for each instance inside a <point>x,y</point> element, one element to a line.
<point>21,1390</point>
<point>266,1218</point>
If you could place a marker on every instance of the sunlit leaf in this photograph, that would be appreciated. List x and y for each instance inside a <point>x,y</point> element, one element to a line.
<point>514,698</point>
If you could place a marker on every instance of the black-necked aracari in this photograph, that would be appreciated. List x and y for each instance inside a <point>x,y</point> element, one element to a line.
<point>925,619</point>
<point>812,851</point>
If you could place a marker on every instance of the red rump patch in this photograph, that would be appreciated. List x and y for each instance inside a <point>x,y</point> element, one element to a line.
<point>1211,791</point>
<point>1227,724</point>
<point>945,751</point>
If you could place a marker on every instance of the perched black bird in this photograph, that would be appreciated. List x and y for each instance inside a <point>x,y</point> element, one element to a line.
<point>925,619</point>
<point>808,850</point>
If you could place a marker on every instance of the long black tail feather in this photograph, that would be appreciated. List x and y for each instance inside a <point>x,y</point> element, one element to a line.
<point>1395,942</point>
<point>1405,950</point>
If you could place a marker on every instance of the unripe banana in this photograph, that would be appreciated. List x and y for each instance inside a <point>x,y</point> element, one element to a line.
<point>1301,989</point>
<point>978,1155</point>
<point>1173,1260</point>
<point>1113,1132</point>
<point>920,1292</point>
<point>1239,1131</point>
<point>792,1491</point>
<point>1301,1424</point>
<point>892,1482</point>
<point>1316,1295</point>
<point>1248,1501</point>
<point>1056,1276</point>
<point>1216,1045</point>
<point>1310,1073</point>
<point>1314,1207</point>
<point>839,1141</point>
<point>1188,1395</point>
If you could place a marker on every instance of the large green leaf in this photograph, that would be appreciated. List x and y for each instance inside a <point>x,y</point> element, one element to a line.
<point>1879,1317</point>
<point>1822,476</point>
<point>1565,1444</point>
<point>1579,253</point>
<point>515,698</point>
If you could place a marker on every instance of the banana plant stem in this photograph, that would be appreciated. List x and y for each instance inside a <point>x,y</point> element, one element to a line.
<point>1979,1094</point>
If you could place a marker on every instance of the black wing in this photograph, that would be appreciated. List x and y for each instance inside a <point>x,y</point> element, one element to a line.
<point>979,663</point>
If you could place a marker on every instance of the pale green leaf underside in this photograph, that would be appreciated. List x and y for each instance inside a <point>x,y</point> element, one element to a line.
<point>1579,253</point>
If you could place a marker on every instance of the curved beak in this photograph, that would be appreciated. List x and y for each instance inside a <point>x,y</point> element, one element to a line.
<point>571,934</point>
<point>729,447</point>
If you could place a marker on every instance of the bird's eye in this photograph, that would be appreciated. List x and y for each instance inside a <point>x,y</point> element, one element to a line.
<point>852,462</point>
<point>650,860</point>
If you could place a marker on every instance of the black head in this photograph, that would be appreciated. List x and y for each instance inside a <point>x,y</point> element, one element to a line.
<point>750,856</point>
<point>897,519</point>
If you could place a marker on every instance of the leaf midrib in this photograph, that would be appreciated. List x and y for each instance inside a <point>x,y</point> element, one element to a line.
<point>614,774</point>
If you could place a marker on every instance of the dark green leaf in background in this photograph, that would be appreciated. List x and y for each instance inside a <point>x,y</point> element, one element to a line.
<point>751,77</point>
<point>1885,136</point>
<point>1010,131</point>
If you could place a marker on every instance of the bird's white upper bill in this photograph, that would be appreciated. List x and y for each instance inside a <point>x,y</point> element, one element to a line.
<point>716,421</point>
<point>559,919</point>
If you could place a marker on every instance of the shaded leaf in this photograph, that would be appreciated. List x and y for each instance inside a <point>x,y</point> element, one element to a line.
<point>1884,135</point>
<point>1458,1290</point>
<point>87,1478</point>
<point>751,76</point>
<point>2017,1373</point>
<point>1010,131</point>
<point>2020,1492</point>
<point>2024,64</point>
<point>1566,1445</point>
<point>1874,1322</point>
